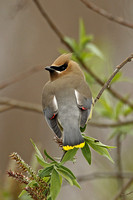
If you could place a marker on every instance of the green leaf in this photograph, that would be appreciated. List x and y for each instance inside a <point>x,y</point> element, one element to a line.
<point>60,179</point>
<point>94,49</point>
<point>96,142</point>
<point>46,172</point>
<point>119,109</point>
<point>72,43</point>
<point>75,182</point>
<point>49,198</point>
<point>98,146</point>
<point>25,196</point>
<point>83,37</point>
<point>37,150</point>
<point>22,193</point>
<point>55,184</point>
<point>48,156</point>
<point>86,56</point>
<point>47,179</point>
<point>127,111</point>
<point>107,108</point>
<point>83,129</point>
<point>84,41</point>
<point>102,151</point>
<point>66,175</point>
<point>42,162</point>
<point>68,170</point>
<point>88,78</point>
<point>69,155</point>
<point>86,153</point>
<point>82,32</point>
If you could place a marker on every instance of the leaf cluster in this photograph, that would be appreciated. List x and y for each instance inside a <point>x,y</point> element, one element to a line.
<point>84,48</point>
<point>46,183</point>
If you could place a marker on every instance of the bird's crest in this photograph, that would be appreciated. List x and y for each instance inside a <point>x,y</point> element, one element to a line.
<point>64,58</point>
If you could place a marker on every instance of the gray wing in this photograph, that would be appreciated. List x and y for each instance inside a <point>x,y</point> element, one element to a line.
<point>52,120</point>
<point>85,105</point>
<point>50,110</point>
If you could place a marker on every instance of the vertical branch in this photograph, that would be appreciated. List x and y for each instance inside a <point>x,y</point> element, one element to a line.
<point>119,164</point>
<point>118,156</point>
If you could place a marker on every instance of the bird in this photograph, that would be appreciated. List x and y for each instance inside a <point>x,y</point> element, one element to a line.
<point>67,101</point>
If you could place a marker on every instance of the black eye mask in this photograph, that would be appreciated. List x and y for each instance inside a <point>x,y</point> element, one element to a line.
<point>60,68</point>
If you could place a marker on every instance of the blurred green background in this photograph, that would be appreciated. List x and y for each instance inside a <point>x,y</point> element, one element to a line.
<point>26,40</point>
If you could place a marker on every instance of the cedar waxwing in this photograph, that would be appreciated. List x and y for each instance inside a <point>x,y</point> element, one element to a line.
<point>67,101</point>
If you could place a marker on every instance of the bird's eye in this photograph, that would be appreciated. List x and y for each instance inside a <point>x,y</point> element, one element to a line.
<point>63,67</point>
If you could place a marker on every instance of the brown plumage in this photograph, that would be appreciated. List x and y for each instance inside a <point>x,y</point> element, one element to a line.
<point>67,101</point>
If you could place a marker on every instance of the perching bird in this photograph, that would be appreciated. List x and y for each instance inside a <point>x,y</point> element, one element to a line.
<point>67,101</point>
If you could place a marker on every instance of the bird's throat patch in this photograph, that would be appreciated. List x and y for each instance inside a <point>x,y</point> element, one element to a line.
<point>81,145</point>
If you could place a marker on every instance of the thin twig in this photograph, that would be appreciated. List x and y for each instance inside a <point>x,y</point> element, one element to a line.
<point>111,175</point>
<point>5,108</point>
<point>106,14</point>
<point>129,193</point>
<point>117,69</point>
<point>110,125</point>
<point>103,175</point>
<point>123,189</point>
<point>21,105</point>
<point>20,76</point>
<point>61,37</point>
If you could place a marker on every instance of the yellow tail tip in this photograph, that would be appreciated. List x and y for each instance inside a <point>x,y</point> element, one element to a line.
<point>81,145</point>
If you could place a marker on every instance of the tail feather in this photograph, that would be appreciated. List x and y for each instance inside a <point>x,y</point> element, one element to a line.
<point>72,139</point>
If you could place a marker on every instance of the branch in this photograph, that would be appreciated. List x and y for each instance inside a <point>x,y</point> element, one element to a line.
<point>13,103</point>
<point>97,175</point>
<point>119,167</point>
<point>110,125</point>
<point>117,69</point>
<point>102,175</point>
<point>123,189</point>
<point>61,37</point>
<point>106,14</point>
<point>20,76</point>
<point>5,108</point>
<point>21,105</point>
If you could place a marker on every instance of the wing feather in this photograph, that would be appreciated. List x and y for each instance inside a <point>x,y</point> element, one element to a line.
<point>50,110</point>
<point>85,102</point>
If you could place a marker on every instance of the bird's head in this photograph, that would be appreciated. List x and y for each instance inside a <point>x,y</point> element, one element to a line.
<point>62,66</point>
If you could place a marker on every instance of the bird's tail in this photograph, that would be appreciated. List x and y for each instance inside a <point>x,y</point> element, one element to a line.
<point>72,139</point>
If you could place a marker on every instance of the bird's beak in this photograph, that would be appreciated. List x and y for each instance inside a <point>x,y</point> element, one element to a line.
<point>49,69</point>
